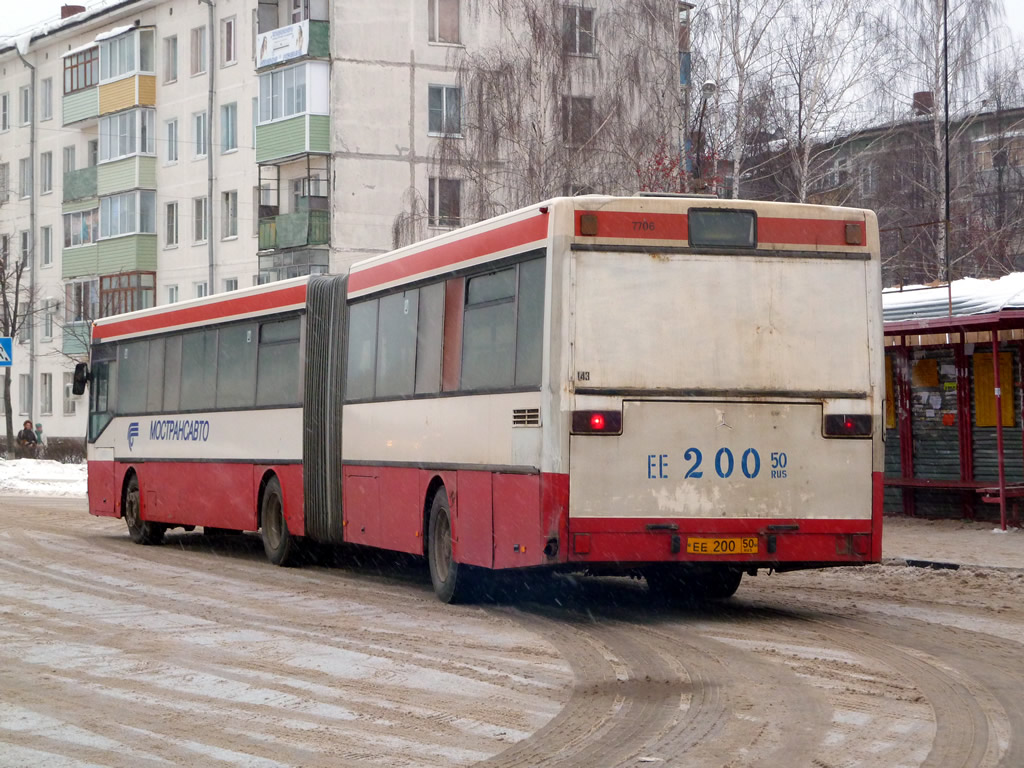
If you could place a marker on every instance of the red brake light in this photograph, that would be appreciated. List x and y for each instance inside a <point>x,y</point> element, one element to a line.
<point>597,422</point>
<point>848,425</point>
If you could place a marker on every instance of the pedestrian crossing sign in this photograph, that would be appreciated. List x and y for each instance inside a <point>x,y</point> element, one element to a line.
<point>6,351</point>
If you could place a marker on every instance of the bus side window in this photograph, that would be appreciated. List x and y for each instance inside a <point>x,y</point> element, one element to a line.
<point>362,350</point>
<point>172,373</point>
<point>198,370</point>
<point>396,344</point>
<point>529,323</point>
<point>429,336</point>
<point>155,396</point>
<point>236,366</point>
<point>277,366</point>
<point>133,375</point>
<point>489,331</point>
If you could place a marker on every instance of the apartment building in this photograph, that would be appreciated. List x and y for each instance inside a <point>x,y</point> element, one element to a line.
<point>153,151</point>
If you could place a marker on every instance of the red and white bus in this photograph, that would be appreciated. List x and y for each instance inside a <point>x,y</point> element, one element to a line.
<point>685,388</point>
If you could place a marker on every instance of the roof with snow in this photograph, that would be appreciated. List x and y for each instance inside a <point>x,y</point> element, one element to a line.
<point>974,302</point>
<point>56,24</point>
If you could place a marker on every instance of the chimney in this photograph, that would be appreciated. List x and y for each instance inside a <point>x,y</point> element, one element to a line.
<point>67,11</point>
<point>924,103</point>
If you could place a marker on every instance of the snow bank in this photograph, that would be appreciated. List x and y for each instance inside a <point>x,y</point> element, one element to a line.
<point>32,477</point>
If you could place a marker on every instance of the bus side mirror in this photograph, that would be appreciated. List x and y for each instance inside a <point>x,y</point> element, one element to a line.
<point>80,380</point>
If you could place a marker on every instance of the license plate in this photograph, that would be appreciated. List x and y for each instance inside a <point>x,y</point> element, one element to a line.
<point>747,545</point>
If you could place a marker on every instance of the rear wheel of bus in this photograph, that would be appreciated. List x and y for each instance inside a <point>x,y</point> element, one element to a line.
<point>451,579</point>
<point>691,584</point>
<point>278,543</point>
<point>141,531</point>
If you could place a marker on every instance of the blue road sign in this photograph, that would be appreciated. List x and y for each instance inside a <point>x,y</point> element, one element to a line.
<point>6,351</point>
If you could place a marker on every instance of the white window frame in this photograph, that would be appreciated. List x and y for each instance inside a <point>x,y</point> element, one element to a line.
<point>446,94</point>
<point>46,394</point>
<point>434,218</point>
<point>579,33</point>
<point>197,51</point>
<point>24,394</point>
<point>81,300</point>
<point>228,41</point>
<point>230,284</point>
<point>25,177</point>
<point>25,102</point>
<point>200,290</point>
<point>127,134</point>
<point>171,134</point>
<point>45,173</point>
<point>46,99</point>
<point>171,224</point>
<point>121,56</point>
<point>49,310</point>
<point>69,158</point>
<point>229,215</point>
<point>200,135</point>
<point>128,213</point>
<point>172,294</point>
<point>46,246</point>
<point>282,95</point>
<point>5,111</point>
<point>171,59</point>
<point>5,182</point>
<point>73,224</point>
<point>229,127</point>
<point>200,220</point>
<point>69,395</point>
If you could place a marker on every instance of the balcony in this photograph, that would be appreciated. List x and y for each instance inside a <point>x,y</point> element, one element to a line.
<point>282,265</point>
<point>293,230</point>
<point>304,39</point>
<point>80,184</point>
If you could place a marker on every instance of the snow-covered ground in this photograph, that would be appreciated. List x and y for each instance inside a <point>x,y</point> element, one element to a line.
<point>33,477</point>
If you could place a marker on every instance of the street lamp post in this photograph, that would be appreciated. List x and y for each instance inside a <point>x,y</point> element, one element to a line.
<point>707,90</point>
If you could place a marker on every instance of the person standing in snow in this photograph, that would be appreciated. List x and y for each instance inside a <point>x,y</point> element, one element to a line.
<point>27,441</point>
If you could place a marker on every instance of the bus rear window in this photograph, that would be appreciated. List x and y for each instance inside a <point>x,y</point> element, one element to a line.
<point>723,228</point>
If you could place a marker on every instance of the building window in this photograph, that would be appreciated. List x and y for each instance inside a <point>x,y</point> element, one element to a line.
<point>46,245</point>
<point>444,110</point>
<point>46,394</point>
<point>25,177</point>
<point>81,301</point>
<point>127,292</point>
<point>229,214</point>
<point>80,228</point>
<point>198,51</point>
<point>443,202</point>
<point>578,30</point>
<point>443,18</point>
<point>24,394</point>
<point>69,396</point>
<point>81,70</point>
<point>128,213</point>
<point>118,56</point>
<point>228,42</point>
<point>69,159</point>
<point>199,134</point>
<point>199,220</point>
<point>5,111</point>
<point>172,294</point>
<point>49,311</point>
<point>25,329</point>
<point>282,93</point>
<point>228,127</point>
<point>45,172</point>
<point>127,133</point>
<point>26,105</point>
<point>230,284</point>
<point>5,181</point>
<point>171,219</point>
<point>300,10</point>
<point>200,290</point>
<point>46,99</point>
<point>26,245</point>
<point>577,120</point>
<point>170,59</point>
<point>92,150</point>
<point>172,141</point>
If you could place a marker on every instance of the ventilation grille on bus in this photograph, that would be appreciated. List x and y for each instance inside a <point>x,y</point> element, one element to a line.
<point>526,417</point>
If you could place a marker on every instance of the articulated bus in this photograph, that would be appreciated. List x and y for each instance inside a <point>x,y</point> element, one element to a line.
<point>688,389</point>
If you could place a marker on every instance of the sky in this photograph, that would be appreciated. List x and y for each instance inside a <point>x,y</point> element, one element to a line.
<point>19,14</point>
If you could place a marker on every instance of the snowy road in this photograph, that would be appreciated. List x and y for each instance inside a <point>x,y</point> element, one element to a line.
<point>200,653</point>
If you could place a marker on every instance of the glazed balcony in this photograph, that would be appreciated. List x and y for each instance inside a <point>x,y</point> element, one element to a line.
<point>80,184</point>
<point>294,230</point>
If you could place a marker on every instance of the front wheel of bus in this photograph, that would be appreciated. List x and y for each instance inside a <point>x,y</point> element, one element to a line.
<point>450,579</point>
<point>141,531</point>
<point>278,543</point>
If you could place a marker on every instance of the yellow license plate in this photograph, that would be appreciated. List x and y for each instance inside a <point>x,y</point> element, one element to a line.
<point>747,545</point>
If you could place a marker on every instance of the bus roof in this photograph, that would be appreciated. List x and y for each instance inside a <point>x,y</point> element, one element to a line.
<point>259,300</point>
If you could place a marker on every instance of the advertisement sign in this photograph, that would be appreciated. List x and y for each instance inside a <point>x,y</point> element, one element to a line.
<point>282,44</point>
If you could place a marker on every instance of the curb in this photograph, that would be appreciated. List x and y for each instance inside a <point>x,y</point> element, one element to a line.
<point>939,565</point>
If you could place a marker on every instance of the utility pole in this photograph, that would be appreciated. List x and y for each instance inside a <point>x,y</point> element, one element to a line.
<point>29,308</point>
<point>211,67</point>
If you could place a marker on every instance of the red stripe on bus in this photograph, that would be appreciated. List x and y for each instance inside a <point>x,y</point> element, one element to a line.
<point>450,254</point>
<point>204,312</point>
<point>636,225</point>
<point>626,225</point>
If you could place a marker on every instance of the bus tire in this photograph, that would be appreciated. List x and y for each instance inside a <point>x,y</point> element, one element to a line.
<point>720,583</point>
<point>451,580</point>
<point>687,584</point>
<point>278,543</point>
<point>141,531</point>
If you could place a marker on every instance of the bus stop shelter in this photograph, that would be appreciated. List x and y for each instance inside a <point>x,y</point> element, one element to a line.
<point>954,437</point>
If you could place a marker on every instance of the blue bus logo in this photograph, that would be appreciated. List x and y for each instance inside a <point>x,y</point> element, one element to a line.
<point>133,432</point>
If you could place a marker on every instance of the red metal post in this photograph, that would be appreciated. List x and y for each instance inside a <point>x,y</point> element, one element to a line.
<point>905,424</point>
<point>964,426</point>
<point>999,429</point>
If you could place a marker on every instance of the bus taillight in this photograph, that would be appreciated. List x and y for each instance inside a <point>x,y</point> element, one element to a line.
<point>597,422</point>
<point>847,425</point>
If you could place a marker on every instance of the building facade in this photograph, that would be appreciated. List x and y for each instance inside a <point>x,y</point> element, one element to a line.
<point>155,151</point>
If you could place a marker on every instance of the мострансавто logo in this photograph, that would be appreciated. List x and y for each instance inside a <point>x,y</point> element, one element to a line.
<point>133,432</point>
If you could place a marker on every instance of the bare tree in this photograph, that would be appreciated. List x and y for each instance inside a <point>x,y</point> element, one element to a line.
<point>17,308</point>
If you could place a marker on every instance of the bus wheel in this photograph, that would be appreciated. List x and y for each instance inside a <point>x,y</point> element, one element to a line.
<point>278,543</point>
<point>720,583</point>
<point>450,579</point>
<point>682,583</point>
<point>141,531</point>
